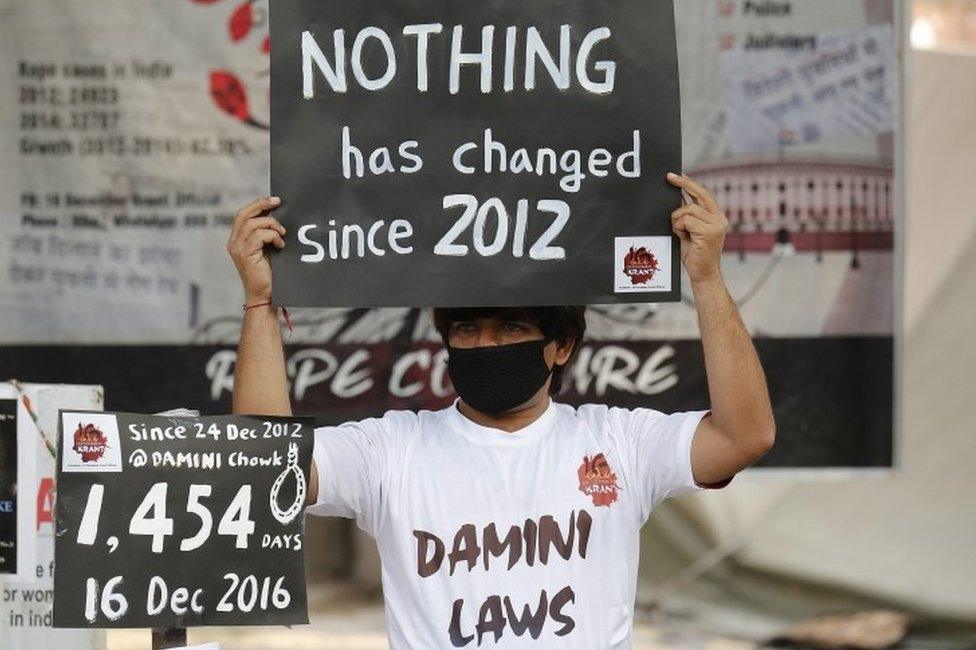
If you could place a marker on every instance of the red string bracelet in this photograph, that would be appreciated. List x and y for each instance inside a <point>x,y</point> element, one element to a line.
<point>284,312</point>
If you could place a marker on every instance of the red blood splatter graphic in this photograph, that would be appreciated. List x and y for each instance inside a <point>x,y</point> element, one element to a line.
<point>241,21</point>
<point>597,480</point>
<point>228,93</point>
<point>228,90</point>
<point>90,442</point>
<point>640,265</point>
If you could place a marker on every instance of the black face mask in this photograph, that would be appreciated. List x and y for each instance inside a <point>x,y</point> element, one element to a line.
<point>496,378</point>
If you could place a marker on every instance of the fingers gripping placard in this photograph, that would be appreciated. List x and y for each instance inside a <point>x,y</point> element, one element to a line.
<point>465,153</point>
<point>180,521</point>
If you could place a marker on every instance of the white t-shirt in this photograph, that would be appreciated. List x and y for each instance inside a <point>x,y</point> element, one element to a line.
<point>490,539</point>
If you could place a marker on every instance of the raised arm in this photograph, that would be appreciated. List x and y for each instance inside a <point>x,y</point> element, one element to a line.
<point>741,428</point>
<point>260,380</point>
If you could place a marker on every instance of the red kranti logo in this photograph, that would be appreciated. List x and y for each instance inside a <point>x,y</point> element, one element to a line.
<point>640,264</point>
<point>90,442</point>
<point>597,480</point>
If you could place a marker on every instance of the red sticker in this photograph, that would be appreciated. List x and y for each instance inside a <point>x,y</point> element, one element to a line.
<point>641,265</point>
<point>90,442</point>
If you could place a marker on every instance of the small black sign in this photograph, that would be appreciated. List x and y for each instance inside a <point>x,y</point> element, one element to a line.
<point>454,153</point>
<point>8,486</point>
<point>167,521</point>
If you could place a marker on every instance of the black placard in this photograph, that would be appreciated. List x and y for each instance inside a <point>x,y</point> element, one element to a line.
<point>581,212</point>
<point>167,521</point>
<point>8,486</point>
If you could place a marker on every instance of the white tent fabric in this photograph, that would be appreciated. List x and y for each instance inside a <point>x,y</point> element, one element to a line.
<point>905,538</point>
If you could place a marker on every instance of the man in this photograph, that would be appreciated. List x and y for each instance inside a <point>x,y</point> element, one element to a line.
<point>508,520</point>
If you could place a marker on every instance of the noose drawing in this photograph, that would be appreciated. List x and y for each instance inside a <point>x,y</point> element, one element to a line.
<point>286,516</point>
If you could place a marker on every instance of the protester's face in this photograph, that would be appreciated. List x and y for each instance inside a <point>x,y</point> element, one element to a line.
<point>504,328</point>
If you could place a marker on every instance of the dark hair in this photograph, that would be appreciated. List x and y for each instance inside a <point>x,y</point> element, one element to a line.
<point>557,323</point>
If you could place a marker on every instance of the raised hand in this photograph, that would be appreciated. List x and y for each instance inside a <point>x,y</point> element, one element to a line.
<point>253,230</point>
<point>701,225</point>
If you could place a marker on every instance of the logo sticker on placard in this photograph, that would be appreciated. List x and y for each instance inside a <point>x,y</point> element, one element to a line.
<point>91,443</point>
<point>642,264</point>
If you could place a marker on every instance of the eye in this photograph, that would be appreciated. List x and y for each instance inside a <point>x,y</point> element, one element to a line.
<point>465,327</point>
<point>515,326</point>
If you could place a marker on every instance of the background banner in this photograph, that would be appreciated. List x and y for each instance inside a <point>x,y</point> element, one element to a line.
<point>140,129</point>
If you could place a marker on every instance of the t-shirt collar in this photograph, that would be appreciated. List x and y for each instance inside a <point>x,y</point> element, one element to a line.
<point>483,435</point>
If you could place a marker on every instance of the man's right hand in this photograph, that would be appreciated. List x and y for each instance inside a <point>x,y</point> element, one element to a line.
<point>254,228</point>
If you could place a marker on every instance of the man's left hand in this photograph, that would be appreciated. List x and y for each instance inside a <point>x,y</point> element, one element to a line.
<point>701,225</point>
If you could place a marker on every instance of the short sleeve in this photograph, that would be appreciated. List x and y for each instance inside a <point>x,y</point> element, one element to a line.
<point>658,447</point>
<point>352,462</point>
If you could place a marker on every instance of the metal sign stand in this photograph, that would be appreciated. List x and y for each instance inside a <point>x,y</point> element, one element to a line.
<point>168,637</point>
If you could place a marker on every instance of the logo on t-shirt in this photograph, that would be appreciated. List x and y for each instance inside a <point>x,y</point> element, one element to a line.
<point>597,480</point>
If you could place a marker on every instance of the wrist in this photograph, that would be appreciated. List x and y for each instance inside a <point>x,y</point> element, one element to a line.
<point>268,309</point>
<point>256,297</point>
<point>262,306</point>
<point>709,281</point>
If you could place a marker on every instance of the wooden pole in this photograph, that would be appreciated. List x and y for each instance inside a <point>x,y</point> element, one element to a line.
<point>168,637</point>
